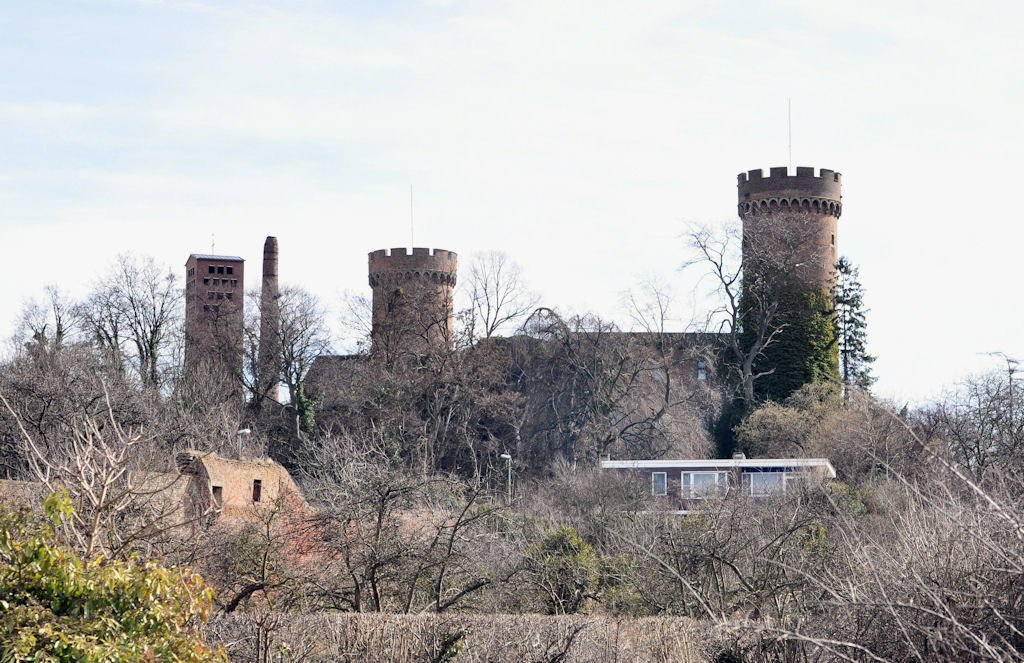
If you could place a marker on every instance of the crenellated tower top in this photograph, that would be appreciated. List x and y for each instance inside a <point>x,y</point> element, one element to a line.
<point>791,221</point>
<point>412,299</point>
<point>820,193</point>
<point>399,264</point>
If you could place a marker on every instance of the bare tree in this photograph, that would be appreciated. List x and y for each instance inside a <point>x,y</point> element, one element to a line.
<point>304,335</point>
<point>120,502</point>
<point>498,295</point>
<point>394,540</point>
<point>981,425</point>
<point>719,255</point>
<point>45,327</point>
<point>134,313</point>
<point>356,322</point>
<point>756,282</point>
<point>592,389</point>
<point>301,335</point>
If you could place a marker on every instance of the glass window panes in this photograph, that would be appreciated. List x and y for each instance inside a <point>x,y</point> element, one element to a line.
<point>659,483</point>
<point>702,484</point>
<point>763,483</point>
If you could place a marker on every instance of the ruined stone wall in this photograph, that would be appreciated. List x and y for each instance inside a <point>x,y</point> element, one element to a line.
<point>235,480</point>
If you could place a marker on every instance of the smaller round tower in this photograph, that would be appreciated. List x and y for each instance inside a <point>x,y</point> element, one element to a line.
<point>792,219</point>
<point>412,298</point>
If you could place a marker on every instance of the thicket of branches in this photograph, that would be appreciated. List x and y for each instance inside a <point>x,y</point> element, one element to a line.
<point>915,553</point>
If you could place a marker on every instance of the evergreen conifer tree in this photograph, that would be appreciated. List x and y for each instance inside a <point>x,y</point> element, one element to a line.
<point>851,327</point>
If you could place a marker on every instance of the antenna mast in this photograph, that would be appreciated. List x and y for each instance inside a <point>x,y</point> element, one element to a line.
<point>412,240</point>
<point>789,122</point>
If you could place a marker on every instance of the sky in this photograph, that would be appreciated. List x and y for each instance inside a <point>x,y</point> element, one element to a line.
<point>582,139</point>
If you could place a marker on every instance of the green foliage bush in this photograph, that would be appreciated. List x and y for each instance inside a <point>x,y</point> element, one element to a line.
<point>846,498</point>
<point>56,607</point>
<point>794,427</point>
<point>567,569</point>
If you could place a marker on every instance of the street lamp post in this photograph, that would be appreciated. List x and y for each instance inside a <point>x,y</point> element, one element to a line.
<point>508,483</point>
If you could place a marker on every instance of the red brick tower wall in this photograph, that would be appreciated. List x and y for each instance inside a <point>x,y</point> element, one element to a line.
<point>412,297</point>
<point>270,316</point>
<point>803,208</point>
<point>214,303</point>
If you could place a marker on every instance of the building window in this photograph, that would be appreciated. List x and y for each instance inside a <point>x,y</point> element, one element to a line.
<point>211,295</point>
<point>702,370</point>
<point>234,283</point>
<point>791,481</point>
<point>211,269</point>
<point>700,485</point>
<point>257,490</point>
<point>659,483</point>
<point>220,269</point>
<point>220,295</point>
<point>761,484</point>
<point>218,497</point>
<point>206,280</point>
<point>231,270</point>
<point>228,295</point>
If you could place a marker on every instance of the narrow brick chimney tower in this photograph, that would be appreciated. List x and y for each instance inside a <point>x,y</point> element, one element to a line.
<point>270,317</point>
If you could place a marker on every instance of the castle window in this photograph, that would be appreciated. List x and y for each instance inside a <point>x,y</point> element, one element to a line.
<point>231,270</point>
<point>218,497</point>
<point>702,370</point>
<point>659,483</point>
<point>257,490</point>
<point>833,239</point>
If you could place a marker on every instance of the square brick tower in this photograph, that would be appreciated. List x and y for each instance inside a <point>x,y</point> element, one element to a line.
<point>214,301</point>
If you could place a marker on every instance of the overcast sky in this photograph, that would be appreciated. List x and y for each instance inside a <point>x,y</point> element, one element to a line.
<point>582,139</point>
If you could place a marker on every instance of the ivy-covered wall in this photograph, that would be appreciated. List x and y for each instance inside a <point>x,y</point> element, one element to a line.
<point>805,349</point>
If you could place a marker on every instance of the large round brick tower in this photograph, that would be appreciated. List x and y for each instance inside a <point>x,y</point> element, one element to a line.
<point>791,222</point>
<point>790,250</point>
<point>412,299</point>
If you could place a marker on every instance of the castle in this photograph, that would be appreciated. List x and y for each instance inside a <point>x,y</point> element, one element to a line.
<point>790,230</point>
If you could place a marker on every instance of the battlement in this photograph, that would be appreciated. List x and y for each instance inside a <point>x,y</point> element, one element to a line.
<point>421,262</point>
<point>826,184</point>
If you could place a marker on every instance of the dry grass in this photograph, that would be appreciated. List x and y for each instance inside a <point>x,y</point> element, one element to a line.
<point>372,638</point>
